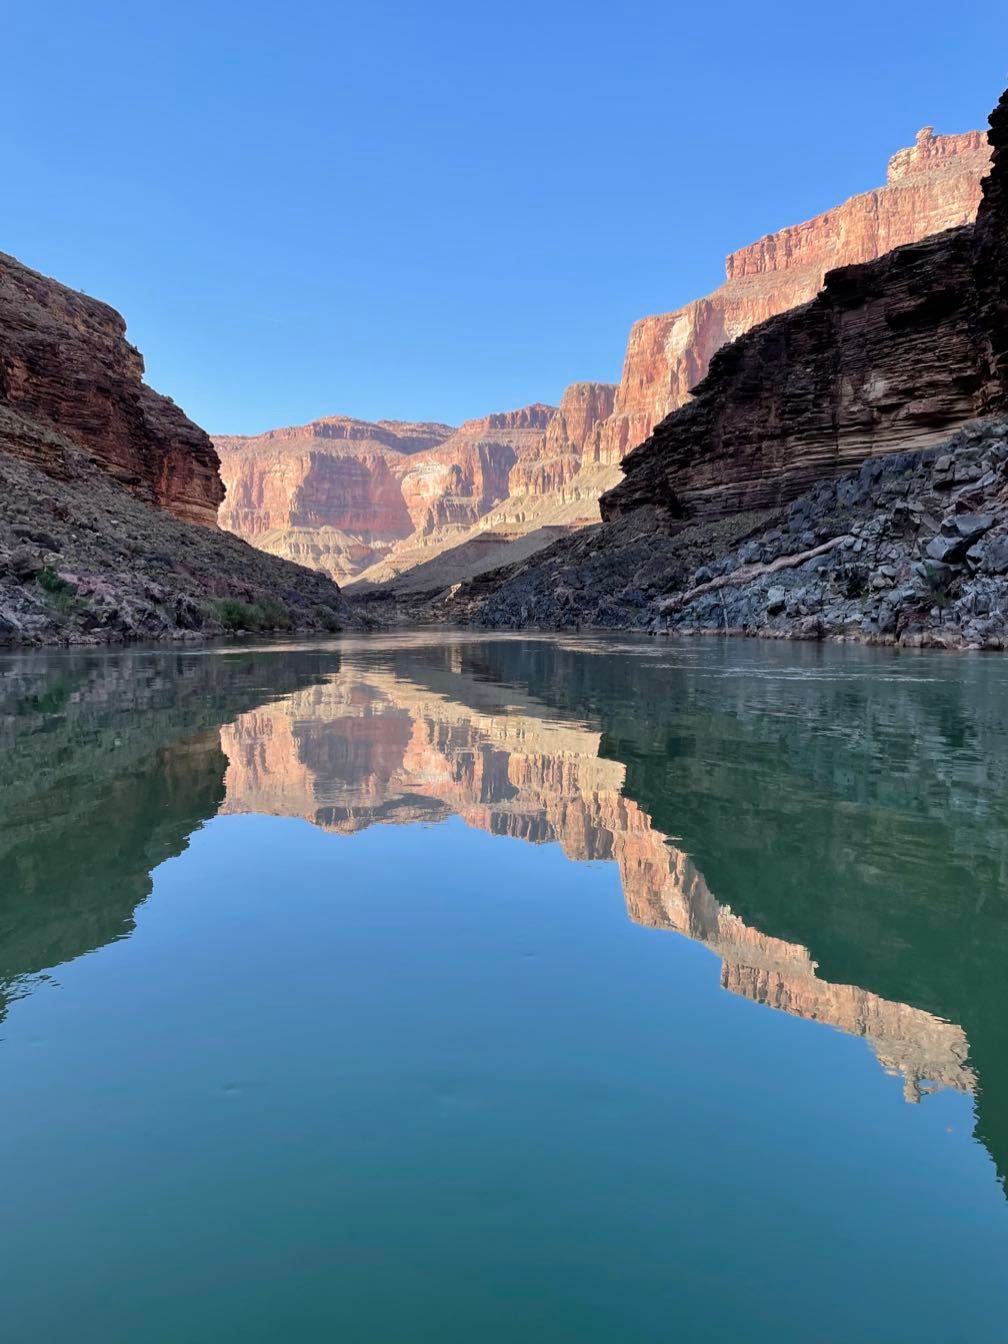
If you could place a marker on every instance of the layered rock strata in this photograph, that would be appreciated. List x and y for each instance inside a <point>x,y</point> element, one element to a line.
<point>910,549</point>
<point>343,495</point>
<point>930,187</point>
<point>549,492</point>
<point>891,356</point>
<point>84,561</point>
<point>67,368</point>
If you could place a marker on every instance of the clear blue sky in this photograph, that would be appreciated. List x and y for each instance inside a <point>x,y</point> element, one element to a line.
<point>435,210</point>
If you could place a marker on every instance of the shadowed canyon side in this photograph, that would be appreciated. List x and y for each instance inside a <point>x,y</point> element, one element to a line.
<point>930,187</point>
<point>373,748</point>
<point>109,494</point>
<point>107,766</point>
<point>66,367</point>
<point>887,358</point>
<point>466,518</point>
<point>841,471</point>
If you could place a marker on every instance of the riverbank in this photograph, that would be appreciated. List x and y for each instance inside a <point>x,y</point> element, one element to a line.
<point>911,550</point>
<point>84,562</point>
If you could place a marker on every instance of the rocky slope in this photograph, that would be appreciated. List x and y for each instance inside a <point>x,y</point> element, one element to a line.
<point>83,561</point>
<point>109,494</point>
<point>66,366</point>
<point>472,509</point>
<point>911,549</point>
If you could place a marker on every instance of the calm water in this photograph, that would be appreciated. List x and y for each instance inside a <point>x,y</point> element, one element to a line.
<point>504,989</point>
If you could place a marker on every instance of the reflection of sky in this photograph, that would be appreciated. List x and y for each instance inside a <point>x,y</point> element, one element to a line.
<point>435,1058</point>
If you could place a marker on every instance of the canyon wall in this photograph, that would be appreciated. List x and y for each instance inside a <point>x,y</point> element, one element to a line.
<point>343,495</point>
<point>67,369</point>
<point>887,357</point>
<point>547,491</point>
<point>327,494</point>
<point>930,187</point>
<point>501,488</point>
<point>991,264</point>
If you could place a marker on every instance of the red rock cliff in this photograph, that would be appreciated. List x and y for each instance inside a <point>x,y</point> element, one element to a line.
<point>934,185</point>
<point>893,354</point>
<point>65,365</point>
<point>327,494</point>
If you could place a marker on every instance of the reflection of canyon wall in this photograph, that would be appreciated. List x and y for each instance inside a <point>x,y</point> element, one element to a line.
<point>107,765</point>
<point>372,747</point>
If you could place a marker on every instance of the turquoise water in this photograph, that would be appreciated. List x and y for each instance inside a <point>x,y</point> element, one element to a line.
<point>439,987</point>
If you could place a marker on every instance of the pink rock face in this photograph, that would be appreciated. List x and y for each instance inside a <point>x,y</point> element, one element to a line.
<point>65,365</point>
<point>453,485</point>
<point>567,441</point>
<point>932,186</point>
<point>376,501</point>
<point>327,494</point>
<point>342,494</point>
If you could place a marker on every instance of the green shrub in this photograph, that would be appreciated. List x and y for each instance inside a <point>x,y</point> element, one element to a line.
<point>59,593</point>
<point>328,619</point>
<point>254,616</point>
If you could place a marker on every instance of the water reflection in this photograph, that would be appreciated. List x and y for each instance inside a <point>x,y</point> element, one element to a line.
<point>827,823</point>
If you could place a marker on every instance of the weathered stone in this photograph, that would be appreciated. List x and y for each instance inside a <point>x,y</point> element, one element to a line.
<point>66,366</point>
<point>994,556</point>
<point>25,564</point>
<point>973,525</point>
<point>946,550</point>
<point>776,598</point>
<point>886,358</point>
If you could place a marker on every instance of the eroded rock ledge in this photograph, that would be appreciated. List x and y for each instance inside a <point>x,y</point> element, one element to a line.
<point>83,561</point>
<point>891,355</point>
<point>911,549</point>
<point>65,365</point>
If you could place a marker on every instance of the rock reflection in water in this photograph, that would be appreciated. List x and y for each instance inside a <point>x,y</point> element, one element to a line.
<point>370,747</point>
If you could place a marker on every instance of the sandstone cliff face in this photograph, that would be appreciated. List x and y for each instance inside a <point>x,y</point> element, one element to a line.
<point>327,494</point>
<point>501,488</point>
<point>453,486</point>
<point>567,444</point>
<point>889,356</point>
<point>339,494</point>
<point>548,491</point>
<point>933,186</point>
<point>66,367</point>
